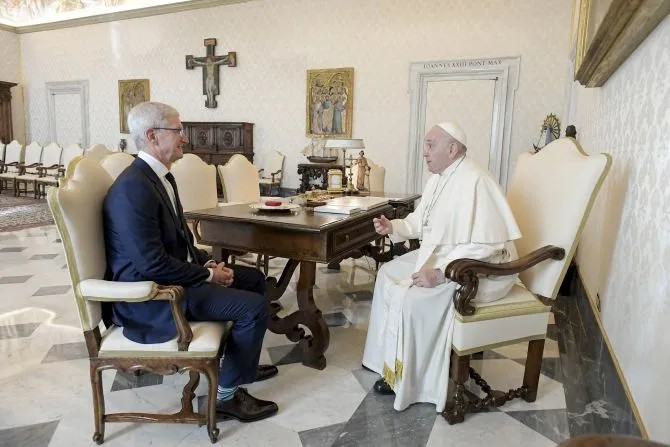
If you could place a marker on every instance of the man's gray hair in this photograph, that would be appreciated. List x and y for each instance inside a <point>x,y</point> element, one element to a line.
<point>148,115</point>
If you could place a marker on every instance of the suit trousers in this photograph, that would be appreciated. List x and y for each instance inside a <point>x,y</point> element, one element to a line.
<point>243,303</point>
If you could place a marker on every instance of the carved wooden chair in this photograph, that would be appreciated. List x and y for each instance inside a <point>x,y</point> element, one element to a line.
<point>10,167</point>
<point>271,173</point>
<point>77,209</point>
<point>115,163</point>
<point>551,195</point>
<point>49,175</point>
<point>196,182</point>
<point>49,159</point>
<point>32,159</point>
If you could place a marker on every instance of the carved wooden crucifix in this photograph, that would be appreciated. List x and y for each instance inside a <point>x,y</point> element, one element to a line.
<point>210,70</point>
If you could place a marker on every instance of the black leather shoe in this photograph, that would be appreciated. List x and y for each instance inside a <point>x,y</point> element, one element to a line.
<point>382,387</point>
<point>265,372</point>
<point>245,408</point>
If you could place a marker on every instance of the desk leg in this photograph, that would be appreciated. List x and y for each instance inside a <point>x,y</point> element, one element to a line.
<point>315,345</point>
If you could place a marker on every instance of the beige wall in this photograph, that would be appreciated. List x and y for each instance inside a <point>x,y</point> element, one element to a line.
<point>278,40</point>
<point>625,253</point>
<point>10,71</point>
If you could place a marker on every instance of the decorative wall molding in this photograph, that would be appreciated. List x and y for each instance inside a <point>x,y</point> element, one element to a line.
<point>68,88</point>
<point>505,69</point>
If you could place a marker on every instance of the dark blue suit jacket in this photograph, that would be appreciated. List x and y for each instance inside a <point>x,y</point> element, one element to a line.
<point>144,241</point>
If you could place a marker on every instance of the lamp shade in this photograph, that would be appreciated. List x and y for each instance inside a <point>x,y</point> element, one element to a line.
<point>348,143</point>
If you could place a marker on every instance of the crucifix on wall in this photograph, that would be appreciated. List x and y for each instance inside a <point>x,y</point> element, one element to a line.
<point>210,70</point>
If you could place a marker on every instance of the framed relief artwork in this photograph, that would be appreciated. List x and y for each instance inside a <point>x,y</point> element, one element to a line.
<point>131,93</point>
<point>606,32</point>
<point>330,95</point>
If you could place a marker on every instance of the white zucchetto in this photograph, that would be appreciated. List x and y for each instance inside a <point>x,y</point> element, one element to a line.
<point>455,131</point>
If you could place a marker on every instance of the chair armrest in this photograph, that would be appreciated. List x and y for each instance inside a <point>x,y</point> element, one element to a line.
<point>101,290</point>
<point>275,173</point>
<point>260,172</point>
<point>42,170</point>
<point>465,272</point>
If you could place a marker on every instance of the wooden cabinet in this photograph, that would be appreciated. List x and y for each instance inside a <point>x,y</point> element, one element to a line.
<point>5,112</point>
<point>217,142</point>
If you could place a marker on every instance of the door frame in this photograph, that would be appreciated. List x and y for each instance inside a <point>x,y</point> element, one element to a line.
<point>68,88</point>
<point>504,70</point>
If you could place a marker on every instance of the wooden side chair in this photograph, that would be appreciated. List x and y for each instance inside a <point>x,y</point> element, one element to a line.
<point>115,163</point>
<point>50,159</point>
<point>77,209</point>
<point>551,195</point>
<point>49,175</point>
<point>9,169</point>
<point>271,173</point>
<point>32,160</point>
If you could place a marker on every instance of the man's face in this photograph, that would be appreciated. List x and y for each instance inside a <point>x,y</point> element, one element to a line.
<point>170,141</point>
<point>438,150</point>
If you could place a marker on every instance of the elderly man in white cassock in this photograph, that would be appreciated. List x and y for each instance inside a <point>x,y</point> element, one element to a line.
<point>463,214</point>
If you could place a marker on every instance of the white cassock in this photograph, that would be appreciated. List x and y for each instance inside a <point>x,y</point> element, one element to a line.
<point>463,214</point>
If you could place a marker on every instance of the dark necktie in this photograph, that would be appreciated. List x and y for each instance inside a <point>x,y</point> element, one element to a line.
<point>180,215</point>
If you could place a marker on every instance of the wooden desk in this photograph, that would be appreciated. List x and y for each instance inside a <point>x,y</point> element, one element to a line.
<point>303,237</point>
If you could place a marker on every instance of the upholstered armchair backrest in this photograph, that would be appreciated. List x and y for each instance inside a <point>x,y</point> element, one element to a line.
<point>97,151</point>
<point>69,153</point>
<point>240,180</point>
<point>377,176</point>
<point>77,209</point>
<point>551,195</point>
<point>115,163</point>
<point>14,153</point>
<point>33,153</point>
<point>274,161</point>
<point>51,154</point>
<point>196,182</point>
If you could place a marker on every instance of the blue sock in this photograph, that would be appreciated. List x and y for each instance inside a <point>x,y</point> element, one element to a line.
<point>225,393</point>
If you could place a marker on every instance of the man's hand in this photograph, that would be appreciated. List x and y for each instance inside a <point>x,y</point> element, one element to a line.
<point>428,278</point>
<point>221,274</point>
<point>382,225</point>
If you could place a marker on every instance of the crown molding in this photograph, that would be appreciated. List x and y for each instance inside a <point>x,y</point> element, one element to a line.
<point>121,15</point>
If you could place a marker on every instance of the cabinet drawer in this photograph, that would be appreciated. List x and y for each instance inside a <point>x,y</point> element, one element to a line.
<point>353,237</point>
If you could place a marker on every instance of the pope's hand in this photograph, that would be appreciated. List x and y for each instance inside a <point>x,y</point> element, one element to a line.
<point>428,278</point>
<point>382,225</point>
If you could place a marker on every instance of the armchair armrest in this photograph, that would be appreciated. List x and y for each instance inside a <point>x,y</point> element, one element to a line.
<point>275,173</point>
<point>4,166</point>
<point>22,167</point>
<point>42,170</point>
<point>101,290</point>
<point>464,272</point>
<point>260,172</point>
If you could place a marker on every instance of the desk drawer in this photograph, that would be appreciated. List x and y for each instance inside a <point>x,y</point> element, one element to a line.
<point>353,237</point>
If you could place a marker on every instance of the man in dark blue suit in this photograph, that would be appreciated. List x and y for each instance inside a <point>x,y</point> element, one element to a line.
<point>147,240</point>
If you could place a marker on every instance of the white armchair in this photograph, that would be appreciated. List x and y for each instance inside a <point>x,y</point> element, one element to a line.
<point>376,175</point>
<point>240,181</point>
<point>49,159</point>
<point>551,195</point>
<point>77,209</point>
<point>115,163</point>
<point>46,179</point>
<point>10,167</point>
<point>97,151</point>
<point>271,173</point>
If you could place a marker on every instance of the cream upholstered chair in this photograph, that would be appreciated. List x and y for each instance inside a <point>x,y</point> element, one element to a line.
<point>115,163</point>
<point>97,151</point>
<point>377,176</point>
<point>271,173</point>
<point>551,195</point>
<point>10,166</point>
<point>50,159</point>
<point>77,209</point>
<point>240,181</point>
<point>196,183</point>
<point>49,175</point>
<point>32,159</point>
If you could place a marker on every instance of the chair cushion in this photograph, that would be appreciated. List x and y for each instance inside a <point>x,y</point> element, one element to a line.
<point>207,337</point>
<point>520,316</point>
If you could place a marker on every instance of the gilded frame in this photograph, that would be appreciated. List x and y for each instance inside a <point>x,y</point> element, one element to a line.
<point>608,32</point>
<point>329,103</point>
<point>131,93</point>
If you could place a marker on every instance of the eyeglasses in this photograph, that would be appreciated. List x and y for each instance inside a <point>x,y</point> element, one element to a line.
<point>179,130</point>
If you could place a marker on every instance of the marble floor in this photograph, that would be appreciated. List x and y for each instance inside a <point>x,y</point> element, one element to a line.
<point>45,395</point>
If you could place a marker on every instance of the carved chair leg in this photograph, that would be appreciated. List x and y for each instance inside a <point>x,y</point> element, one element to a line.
<point>212,373</point>
<point>98,404</point>
<point>189,392</point>
<point>456,408</point>
<point>531,375</point>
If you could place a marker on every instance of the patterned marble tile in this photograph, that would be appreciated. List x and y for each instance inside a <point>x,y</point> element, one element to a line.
<point>335,319</point>
<point>51,290</point>
<point>36,435</point>
<point>553,424</point>
<point>66,351</point>
<point>285,355</point>
<point>12,249</point>
<point>320,437</point>
<point>17,330</point>
<point>361,295</point>
<point>126,381</point>
<point>43,256</point>
<point>14,279</point>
